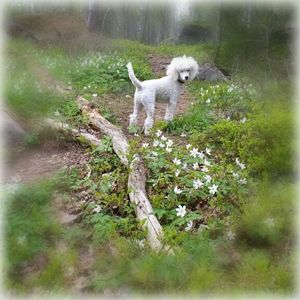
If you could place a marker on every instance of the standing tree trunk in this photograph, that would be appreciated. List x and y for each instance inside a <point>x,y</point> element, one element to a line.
<point>219,33</point>
<point>93,17</point>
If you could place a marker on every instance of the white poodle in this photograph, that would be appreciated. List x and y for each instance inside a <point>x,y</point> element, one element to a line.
<point>166,89</point>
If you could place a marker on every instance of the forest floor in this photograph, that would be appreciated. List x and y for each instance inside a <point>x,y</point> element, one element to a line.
<point>42,162</point>
<point>45,160</point>
<point>70,224</point>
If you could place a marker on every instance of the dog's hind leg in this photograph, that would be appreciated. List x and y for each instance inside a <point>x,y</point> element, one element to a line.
<point>136,110</point>
<point>150,116</point>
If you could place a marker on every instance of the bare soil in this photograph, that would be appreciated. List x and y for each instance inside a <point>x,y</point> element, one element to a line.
<point>32,165</point>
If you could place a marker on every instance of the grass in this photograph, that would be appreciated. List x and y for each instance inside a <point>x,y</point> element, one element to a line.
<point>241,238</point>
<point>31,234</point>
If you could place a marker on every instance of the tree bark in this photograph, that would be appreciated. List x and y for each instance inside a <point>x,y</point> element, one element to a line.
<point>75,132</point>
<point>137,174</point>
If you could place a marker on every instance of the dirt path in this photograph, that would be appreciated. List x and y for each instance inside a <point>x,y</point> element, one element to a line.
<point>31,165</point>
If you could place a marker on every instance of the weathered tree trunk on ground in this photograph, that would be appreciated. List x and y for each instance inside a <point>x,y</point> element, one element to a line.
<point>120,144</point>
<point>143,208</point>
<point>137,173</point>
<point>75,132</point>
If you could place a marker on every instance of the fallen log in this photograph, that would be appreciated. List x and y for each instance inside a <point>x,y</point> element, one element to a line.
<point>119,141</point>
<point>137,174</point>
<point>143,208</point>
<point>75,132</point>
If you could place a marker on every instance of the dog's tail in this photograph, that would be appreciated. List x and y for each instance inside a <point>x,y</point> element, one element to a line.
<point>132,77</point>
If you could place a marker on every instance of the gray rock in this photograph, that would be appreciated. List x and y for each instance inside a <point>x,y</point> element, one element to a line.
<point>67,219</point>
<point>210,73</point>
<point>12,130</point>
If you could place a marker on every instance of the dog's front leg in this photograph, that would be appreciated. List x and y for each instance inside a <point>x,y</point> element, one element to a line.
<point>170,111</point>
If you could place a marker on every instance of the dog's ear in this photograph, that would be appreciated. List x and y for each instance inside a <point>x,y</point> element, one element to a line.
<point>172,71</point>
<point>194,69</point>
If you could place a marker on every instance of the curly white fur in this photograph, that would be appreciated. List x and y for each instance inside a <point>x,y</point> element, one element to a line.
<point>166,89</point>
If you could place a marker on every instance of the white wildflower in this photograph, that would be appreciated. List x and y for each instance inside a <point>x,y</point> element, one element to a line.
<point>189,226</point>
<point>243,120</point>
<point>177,190</point>
<point>194,152</point>
<point>230,235</point>
<point>207,163</point>
<point>181,211</point>
<point>136,134</point>
<point>197,184</point>
<point>200,155</point>
<point>184,166</point>
<point>84,87</point>
<point>163,138</point>
<point>97,208</point>
<point>208,178</point>
<point>241,165</point>
<point>208,101</point>
<point>195,166</point>
<point>168,149</point>
<point>154,153</point>
<point>161,145</point>
<point>213,189</point>
<point>141,243</point>
<point>177,172</point>
<point>235,175</point>
<point>188,146</point>
<point>156,143</point>
<point>228,118</point>
<point>243,181</point>
<point>177,161</point>
<point>158,133</point>
<point>145,145</point>
<point>56,113</point>
<point>208,151</point>
<point>204,169</point>
<point>169,143</point>
<point>12,188</point>
<point>269,222</point>
<point>95,95</point>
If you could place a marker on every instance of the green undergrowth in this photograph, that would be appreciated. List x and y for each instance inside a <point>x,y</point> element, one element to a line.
<point>256,125</point>
<point>104,178</point>
<point>220,179</point>
<point>44,257</point>
<point>23,91</point>
<point>36,255</point>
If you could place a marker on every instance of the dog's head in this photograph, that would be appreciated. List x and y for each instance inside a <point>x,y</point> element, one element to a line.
<point>182,69</point>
